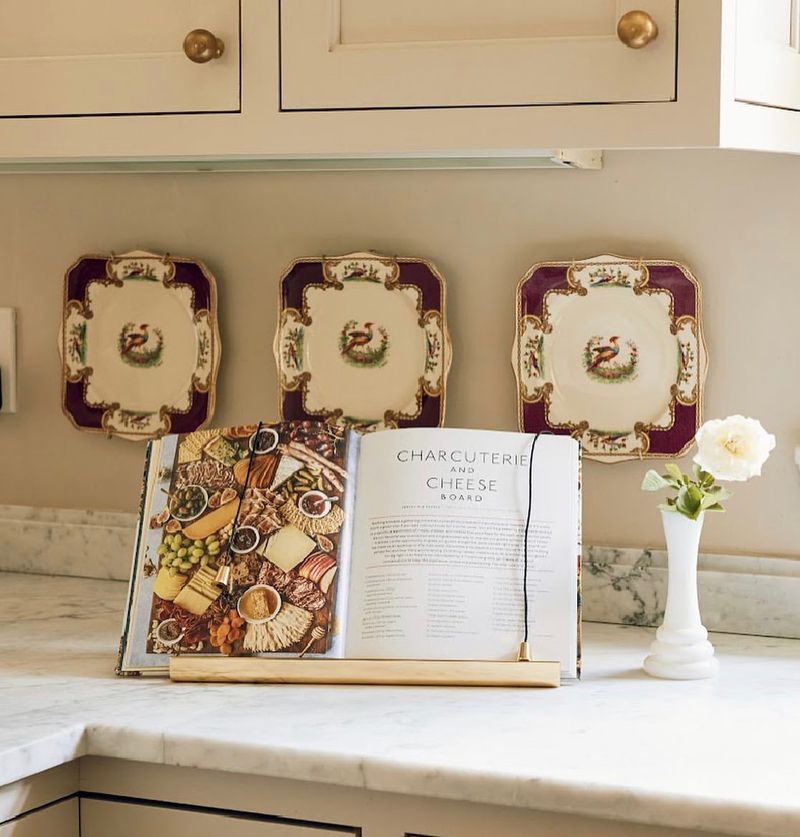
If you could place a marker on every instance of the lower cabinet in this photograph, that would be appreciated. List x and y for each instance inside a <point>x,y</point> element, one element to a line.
<point>102,818</point>
<point>58,820</point>
<point>104,797</point>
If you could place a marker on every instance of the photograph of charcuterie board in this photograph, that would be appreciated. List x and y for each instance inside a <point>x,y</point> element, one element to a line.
<point>301,538</point>
<point>139,345</point>
<point>362,340</point>
<point>241,539</point>
<point>611,351</point>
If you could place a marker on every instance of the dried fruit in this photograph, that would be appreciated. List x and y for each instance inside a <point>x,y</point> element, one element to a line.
<point>227,495</point>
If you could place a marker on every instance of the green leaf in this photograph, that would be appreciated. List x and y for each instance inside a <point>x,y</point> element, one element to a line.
<point>688,501</point>
<point>715,508</point>
<point>674,471</point>
<point>708,501</point>
<point>706,479</point>
<point>653,481</point>
<point>668,506</point>
<point>697,471</point>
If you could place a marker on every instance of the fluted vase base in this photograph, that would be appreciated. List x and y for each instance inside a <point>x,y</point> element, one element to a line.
<point>681,661</point>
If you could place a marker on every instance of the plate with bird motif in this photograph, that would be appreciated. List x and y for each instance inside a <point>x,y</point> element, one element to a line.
<point>139,345</point>
<point>362,341</point>
<point>611,351</point>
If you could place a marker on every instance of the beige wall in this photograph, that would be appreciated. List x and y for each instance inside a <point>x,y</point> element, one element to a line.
<point>733,217</point>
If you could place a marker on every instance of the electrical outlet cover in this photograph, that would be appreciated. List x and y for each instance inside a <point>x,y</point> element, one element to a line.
<point>8,360</point>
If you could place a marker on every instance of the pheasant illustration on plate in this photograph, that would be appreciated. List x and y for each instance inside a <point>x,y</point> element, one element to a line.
<point>363,344</point>
<point>141,345</point>
<point>609,361</point>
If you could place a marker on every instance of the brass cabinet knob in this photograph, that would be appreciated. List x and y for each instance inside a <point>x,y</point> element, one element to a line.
<point>202,46</point>
<point>636,29</point>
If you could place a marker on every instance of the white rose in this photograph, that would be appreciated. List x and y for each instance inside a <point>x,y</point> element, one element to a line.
<point>734,448</point>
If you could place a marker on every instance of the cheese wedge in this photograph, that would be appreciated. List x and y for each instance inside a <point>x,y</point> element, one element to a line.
<point>211,522</point>
<point>168,586</point>
<point>288,547</point>
<point>200,592</point>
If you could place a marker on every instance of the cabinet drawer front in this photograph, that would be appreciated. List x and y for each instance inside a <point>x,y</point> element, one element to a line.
<point>102,818</point>
<point>60,820</point>
<point>80,57</point>
<point>768,52</point>
<point>357,54</point>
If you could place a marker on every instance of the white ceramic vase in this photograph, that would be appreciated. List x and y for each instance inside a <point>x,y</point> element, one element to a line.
<point>681,650</point>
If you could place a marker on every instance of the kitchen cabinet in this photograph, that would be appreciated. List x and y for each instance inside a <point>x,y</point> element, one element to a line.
<point>108,85</point>
<point>453,53</point>
<point>94,57</point>
<point>768,53</point>
<point>306,809</point>
<point>108,797</point>
<point>58,820</point>
<point>101,818</point>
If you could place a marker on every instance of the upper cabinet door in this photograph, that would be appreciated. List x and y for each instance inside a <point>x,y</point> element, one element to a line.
<point>768,52</point>
<point>357,54</point>
<point>80,57</point>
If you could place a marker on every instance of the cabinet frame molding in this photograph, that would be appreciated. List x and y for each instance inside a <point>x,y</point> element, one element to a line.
<point>705,114</point>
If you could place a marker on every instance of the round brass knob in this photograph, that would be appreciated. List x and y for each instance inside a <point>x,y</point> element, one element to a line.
<point>636,29</point>
<point>202,46</point>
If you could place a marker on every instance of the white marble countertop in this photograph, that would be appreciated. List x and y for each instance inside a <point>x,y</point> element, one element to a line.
<point>718,755</point>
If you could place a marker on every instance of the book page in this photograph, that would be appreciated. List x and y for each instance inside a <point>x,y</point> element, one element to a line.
<point>437,565</point>
<point>242,546</point>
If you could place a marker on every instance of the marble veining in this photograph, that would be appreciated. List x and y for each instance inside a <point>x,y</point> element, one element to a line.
<point>718,755</point>
<point>738,594</point>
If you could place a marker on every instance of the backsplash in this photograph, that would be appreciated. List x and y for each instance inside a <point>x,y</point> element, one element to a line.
<point>738,594</point>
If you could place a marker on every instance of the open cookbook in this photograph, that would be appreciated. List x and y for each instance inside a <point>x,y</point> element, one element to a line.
<point>300,538</point>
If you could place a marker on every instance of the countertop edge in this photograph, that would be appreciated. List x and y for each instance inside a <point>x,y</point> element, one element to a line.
<point>604,801</point>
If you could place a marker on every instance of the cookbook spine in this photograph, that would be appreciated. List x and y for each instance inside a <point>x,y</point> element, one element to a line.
<point>140,528</point>
<point>345,556</point>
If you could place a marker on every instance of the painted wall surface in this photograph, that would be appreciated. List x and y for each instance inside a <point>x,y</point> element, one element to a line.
<point>733,217</point>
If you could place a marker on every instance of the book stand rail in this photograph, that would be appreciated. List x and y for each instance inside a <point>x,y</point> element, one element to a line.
<point>196,668</point>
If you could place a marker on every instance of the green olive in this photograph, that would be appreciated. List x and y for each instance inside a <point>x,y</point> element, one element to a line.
<point>185,565</point>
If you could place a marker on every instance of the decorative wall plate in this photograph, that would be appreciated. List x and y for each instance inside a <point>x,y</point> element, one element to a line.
<point>362,341</point>
<point>611,351</point>
<point>139,345</point>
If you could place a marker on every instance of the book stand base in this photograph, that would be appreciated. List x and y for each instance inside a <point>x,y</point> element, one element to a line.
<point>197,668</point>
